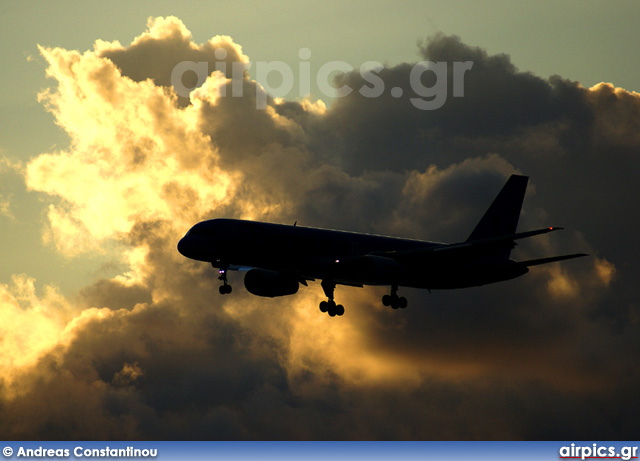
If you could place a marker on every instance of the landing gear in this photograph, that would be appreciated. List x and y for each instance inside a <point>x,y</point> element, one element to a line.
<point>330,306</point>
<point>393,300</point>
<point>225,288</point>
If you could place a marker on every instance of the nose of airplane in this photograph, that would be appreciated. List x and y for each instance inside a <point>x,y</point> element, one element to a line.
<point>200,243</point>
<point>183,246</point>
<point>194,247</point>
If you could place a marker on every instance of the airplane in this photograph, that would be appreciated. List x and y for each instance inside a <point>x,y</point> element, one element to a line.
<point>278,258</point>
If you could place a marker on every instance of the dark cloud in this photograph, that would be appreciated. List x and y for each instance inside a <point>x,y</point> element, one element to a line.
<point>499,104</point>
<point>158,354</point>
<point>167,43</point>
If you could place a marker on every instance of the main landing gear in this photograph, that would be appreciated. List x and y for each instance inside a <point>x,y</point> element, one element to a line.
<point>225,288</point>
<point>333,309</point>
<point>330,306</point>
<point>394,300</point>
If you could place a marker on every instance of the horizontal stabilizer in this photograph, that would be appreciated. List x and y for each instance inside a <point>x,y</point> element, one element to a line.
<point>536,262</point>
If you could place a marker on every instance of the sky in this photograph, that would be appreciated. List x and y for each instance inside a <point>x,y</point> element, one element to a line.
<point>108,332</point>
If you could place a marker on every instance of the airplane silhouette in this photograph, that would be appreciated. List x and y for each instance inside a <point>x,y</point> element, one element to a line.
<point>279,257</point>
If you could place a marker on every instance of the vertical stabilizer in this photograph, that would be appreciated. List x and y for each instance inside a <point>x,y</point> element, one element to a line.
<point>502,216</point>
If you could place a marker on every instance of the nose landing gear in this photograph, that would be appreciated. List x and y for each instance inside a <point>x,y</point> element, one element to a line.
<point>225,288</point>
<point>330,306</point>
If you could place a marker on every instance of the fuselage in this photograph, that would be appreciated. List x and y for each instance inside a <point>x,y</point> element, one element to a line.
<point>346,257</point>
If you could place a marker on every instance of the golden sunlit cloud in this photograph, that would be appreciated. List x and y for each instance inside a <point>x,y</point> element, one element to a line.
<point>31,325</point>
<point>134,155</point>
<point>561,285</point>
<point>605,270</point>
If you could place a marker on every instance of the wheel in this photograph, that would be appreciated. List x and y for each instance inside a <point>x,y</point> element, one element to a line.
<point>393,301</point>
<point>339,310</point>
<point>223,290</point>
<point>229,289</point>
<point>332,308</point>
<point>324,306</point>
<point>402,302</point>
<point>386,300</point>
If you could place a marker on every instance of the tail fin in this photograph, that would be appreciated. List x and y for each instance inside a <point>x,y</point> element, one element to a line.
<point>502,216</point>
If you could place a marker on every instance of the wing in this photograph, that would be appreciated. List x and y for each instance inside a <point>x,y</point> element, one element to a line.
<point>485,246</point>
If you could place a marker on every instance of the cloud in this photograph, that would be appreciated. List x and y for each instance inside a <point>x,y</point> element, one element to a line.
<point>134,154</point>
<point>7,167</point>
<point>156,353</point>
<point>167,43</point>
<point>32,325</point>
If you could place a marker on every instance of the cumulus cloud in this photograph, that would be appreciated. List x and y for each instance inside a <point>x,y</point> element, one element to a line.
<point>31,324</point>
<point>156,353</point>
<point>163,46</point>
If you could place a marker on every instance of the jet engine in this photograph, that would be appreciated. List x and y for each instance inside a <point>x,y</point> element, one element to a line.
<point>263,282</point>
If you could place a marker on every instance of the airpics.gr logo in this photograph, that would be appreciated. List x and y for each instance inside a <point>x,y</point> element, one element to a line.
<point>425,97</point>
<point>598,452</point>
